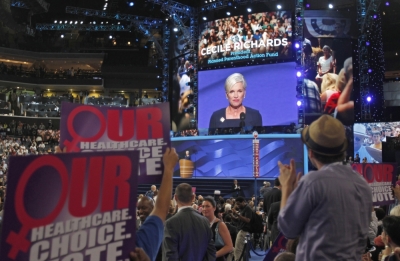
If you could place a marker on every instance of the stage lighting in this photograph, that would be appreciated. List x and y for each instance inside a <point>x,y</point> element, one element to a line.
<point>228,13</point>
<point>60,22</point>
<point>298,74</point>
<point>369,70</point>
<point>367,43</point>
<point>299,103</point>
<point>369,99</point>
<point>297,45</point>
<point>249,10</point>
<point>62,36</point>
<point>387,4</point>
<point>94,22</point>
<point>70,22</point>
<point>81,22</point>
<point>279,7</point>
<point>110,37</point>
<point>229,3</point>
<point>204,18</point>
<point>101,22</point>
<point>65,22</point>
<point>131,4</point>
<point>175,29</point>
<point>76,22</point>
<point>55,21</point>
<point>375,16</point>
<point>308,5</point>
<point>330,6</point>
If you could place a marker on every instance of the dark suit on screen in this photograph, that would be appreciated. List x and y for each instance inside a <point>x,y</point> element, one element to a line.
<point>187,236</point>
<point>218,119</point>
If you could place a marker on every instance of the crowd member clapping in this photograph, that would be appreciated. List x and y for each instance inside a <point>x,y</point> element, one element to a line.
<point>310,206</point>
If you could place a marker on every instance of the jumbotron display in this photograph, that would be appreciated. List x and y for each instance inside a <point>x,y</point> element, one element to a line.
<point>257,36</point>
<point>252,96</point>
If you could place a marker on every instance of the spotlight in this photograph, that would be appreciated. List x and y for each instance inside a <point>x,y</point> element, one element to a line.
<point>131,4</point>
<point>228,13</point>
<point>70,22</point>
<point>76,22</point>
<point>299,103</point>
<point>60,22</point>
<point>297,45</point>
<point>65,22</point>
<point>330,6</point>
<point>175,29</point>
<point>375,16</point>
<point>81,22</point>
<point>279,7</point>
<point>387,3</point>
<point>369,99</point>
<point>62,36</point>
<point>55,21</point>
<point>101,22</point>
<point>367,43</point>
<point>308,5</point>
<point>94,22</point>
<point>204,18</point>
<point>369,70</point>
<point>249,10</point>
<point>110,37</point>
<point>298,74</point>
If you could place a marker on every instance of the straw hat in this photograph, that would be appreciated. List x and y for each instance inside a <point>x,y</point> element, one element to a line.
<point>325,136</point>
<point>360,130</point>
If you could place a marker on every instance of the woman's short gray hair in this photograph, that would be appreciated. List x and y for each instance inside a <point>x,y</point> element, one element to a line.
<point>233,79</point>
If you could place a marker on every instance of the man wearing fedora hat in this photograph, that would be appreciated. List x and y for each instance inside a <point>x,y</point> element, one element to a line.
<point>328,209</point>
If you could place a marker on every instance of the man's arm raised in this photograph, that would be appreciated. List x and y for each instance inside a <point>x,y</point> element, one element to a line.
<point>170,159</point>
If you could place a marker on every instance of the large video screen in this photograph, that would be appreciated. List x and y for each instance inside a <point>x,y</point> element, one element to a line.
<point>327,59</point>
<point>369,138</point>
<point>257,36</point>
<point>222,158</point>
<point>268,100</point>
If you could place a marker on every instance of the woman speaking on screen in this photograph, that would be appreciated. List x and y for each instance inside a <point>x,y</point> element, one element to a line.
<point>236,114</point>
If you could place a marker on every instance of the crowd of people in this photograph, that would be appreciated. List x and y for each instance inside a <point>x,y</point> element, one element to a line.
<point>265,27</point>
<point>313,201</point>
<point>42,72</point>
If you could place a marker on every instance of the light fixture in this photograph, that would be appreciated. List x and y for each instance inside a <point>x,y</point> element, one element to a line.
<point>81,22</point>
<point>299,103</point>
<point>131,4</point>
<point>60,22</point>
<point>228,13</point>
<point>308,5</point>
<point>62,36</point>
<point>279,7</point>
<point>175,29</point>
<point>110,37</point>
<point>330,6</point>
<point>129,43</point>
<point>297,45</point>
<point>249,10</point>
<point>298,74</point>
<point>369,99</point>
<point>55,21</point>
<point>76,22</point>
<point>204,18</point>
<point>66,22</point>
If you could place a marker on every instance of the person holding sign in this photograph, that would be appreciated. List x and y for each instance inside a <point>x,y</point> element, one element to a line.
<point>236,114</point>
<point>150,234</point>
<point>310,207</point>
